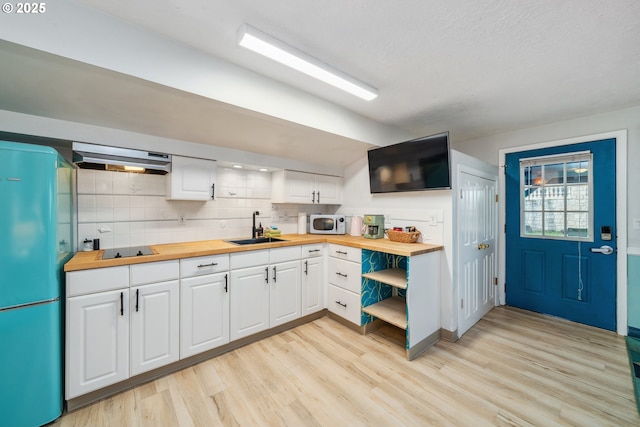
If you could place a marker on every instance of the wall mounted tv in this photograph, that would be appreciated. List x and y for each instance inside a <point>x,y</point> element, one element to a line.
<point>419,164</point>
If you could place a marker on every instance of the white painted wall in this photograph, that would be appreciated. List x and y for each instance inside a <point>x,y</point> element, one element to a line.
<point>432,212</point>
<point>487,149</point>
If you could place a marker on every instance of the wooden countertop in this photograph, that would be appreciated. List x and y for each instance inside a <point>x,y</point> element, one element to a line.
<point>93,259</point>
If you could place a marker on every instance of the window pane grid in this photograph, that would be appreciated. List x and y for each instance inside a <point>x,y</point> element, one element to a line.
<point>555,200</point>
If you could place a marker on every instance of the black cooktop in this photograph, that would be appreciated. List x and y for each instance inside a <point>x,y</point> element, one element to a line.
<point>127,252</point>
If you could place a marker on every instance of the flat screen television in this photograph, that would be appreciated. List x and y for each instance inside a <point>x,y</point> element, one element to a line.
<point>419,164</point>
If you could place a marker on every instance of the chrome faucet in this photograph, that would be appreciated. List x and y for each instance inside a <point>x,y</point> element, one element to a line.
<point>254,230</point>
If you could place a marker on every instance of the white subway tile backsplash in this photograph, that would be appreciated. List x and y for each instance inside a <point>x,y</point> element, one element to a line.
<point>104,182</point>
<point>132,210</point>
<point>86,181</point>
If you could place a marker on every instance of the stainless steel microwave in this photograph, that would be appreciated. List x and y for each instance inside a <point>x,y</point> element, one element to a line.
<point>327,224</point>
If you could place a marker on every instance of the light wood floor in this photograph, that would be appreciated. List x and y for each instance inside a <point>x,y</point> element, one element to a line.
<point>513,368</point>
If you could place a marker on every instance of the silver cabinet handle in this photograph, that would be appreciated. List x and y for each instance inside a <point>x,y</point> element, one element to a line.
<point>341,303</point>
<point>341,274</point>
<point>207,265</point>
<point>313,197</point>
<point>274,274</point>
<point>605,250</point>
<point>341,252</point>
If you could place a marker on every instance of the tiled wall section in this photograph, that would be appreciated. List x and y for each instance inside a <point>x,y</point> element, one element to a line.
<point>127,209</point>
<point>633,289</point>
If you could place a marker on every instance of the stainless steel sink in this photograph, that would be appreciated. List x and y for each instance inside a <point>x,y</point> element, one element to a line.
<point>256,240</point>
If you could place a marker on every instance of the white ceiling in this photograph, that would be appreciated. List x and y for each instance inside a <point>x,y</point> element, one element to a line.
<point>475,68</point>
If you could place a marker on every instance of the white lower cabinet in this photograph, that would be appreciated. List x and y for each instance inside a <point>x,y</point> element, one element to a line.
<point>204,303</point>
<point>344,303</point>
<point>249,301</point>
<point>204,313</point>
<point>266,294</point>
<point>119,324</point>
<point>344,272</point>
<point>284,293</point>
<point>97,347</point>
<point>312,286</point>
<point>155,327</point>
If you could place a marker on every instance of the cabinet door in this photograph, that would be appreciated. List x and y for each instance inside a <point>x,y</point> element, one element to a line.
<point>191,179</point>
<point>249,301</point>
<point>204,313</point>
<point>299,187</point>
<point>312,285</point>
<point>328,190</point>
<point>154,326</point>
<point>97,342</point>
<point>284,293</point>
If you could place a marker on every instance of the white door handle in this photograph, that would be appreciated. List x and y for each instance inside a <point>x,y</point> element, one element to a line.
<point>606,250</point>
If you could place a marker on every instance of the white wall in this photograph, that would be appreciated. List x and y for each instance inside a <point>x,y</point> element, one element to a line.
<point>487,149</point>
<point>429,211</point>
<point>432,212</point>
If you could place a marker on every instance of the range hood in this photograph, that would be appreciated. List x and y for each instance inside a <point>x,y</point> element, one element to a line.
<point>90,156</point>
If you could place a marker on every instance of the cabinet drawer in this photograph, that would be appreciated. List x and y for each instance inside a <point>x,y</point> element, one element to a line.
<point>290,253</point>
<point>344,303</point>
<point>248,259</point>
<point>152,272</point>
<point>97,280</point>
<point>345,252</point>
<point>199,266</point>
<point>345,274</point>
<point>312,251</point>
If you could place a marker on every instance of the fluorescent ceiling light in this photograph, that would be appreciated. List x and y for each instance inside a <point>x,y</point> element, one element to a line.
<point>270,47</point>
<point>238,166</point>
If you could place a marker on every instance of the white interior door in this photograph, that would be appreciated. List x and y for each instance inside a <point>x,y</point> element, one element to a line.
<point>477,228</point>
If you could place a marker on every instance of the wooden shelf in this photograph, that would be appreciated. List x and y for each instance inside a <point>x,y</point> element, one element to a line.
<point>396,277</point>
<point>392,310</point>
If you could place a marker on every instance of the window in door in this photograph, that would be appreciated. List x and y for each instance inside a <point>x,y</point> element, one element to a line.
<point>556,197</point>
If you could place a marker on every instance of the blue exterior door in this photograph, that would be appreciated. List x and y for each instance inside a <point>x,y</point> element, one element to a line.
<point>560,224</point>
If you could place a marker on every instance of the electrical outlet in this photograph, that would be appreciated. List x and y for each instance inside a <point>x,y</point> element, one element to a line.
<point>182,220</point>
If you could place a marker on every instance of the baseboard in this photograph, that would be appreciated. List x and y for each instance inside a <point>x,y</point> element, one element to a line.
<point>423,345</point>
<point>451,336</point>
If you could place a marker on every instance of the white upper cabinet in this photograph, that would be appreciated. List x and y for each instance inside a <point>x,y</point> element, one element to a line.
<point>305,188</point>
<point>191,179</point>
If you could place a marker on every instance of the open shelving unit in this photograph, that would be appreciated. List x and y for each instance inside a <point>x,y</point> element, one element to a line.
<point>396,277</point>
<point>391,310</point>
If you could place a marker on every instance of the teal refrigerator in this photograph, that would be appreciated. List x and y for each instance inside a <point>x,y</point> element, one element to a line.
<point>36,235</point>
